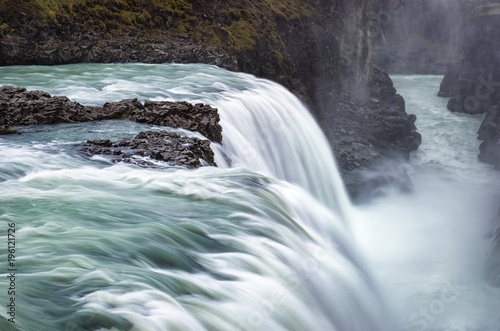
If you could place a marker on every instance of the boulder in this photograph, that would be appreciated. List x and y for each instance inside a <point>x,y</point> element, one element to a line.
<point>152,149</point>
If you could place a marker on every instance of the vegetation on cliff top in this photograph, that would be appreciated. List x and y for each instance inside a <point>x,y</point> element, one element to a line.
<point>233,25</point>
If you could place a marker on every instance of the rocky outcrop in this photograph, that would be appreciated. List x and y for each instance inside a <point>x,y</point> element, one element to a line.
<point>447,86</point>
<point>473,82</point>
<point>152,149</point>
<point>383,130</point>
<point>489,133</point>
<point>21,107</point>
<point>199,117</point>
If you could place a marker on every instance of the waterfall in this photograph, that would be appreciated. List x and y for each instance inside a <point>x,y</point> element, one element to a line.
<point>268,130</point>
<point>260,243</point>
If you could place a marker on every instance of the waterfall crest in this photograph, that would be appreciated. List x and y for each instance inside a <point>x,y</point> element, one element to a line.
<point>260,243</point>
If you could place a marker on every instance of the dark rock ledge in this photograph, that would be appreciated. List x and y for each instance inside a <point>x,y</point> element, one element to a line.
<point>370,136</point>
<point>20,107</point>
<point>147,148</point>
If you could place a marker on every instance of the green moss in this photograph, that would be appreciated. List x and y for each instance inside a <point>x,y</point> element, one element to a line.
<point>279,57</point>
<point>242,35</point>
<point>4,29</point>
<point>128,18</point>
<point>6,130</point>
<point>289,9</point>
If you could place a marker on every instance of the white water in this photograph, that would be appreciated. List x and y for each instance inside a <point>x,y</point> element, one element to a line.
<point>428,248</point>
<point>262,245</point>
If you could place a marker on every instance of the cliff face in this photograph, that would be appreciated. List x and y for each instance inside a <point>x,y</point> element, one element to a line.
<point>322,50</point>
<point>418,37</point>
<point>472,81</point>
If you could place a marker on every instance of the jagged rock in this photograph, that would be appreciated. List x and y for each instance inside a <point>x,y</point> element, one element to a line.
<point>474,82</point>
<point>489,133</point>
<point>21,107</point>
<point>199,117</point>
<point>370,131</point>
<point>150,146</point>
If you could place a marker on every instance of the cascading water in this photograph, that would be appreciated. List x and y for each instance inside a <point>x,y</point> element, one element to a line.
<point>259,244</point>
<point>428,249</point>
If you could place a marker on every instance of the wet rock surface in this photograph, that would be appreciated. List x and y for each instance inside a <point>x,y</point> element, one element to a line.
<point>489,133</point>
<point>152,149</point>
<point>20,107</point>
<point>199,117</point>
<point>369,132</point>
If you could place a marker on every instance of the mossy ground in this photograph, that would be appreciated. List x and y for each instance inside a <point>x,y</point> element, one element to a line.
<point>233,25</point>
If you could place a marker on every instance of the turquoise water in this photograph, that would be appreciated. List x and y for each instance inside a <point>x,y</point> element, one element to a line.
<point>268,241</point>
<point>262,243</point>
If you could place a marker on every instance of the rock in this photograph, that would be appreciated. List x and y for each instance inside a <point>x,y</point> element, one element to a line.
<point>21,107</point>
<point>492,266</point>
<point>5,130</point>
<point>199,117</point>
<point>447,86</point>
<point>474,82</point>
<point>147,147</point>
<point>369,132</point>
<point>489,133</point>
<point>119,110</point>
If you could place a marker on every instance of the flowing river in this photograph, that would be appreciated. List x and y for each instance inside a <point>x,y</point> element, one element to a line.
<point>267,241</point>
